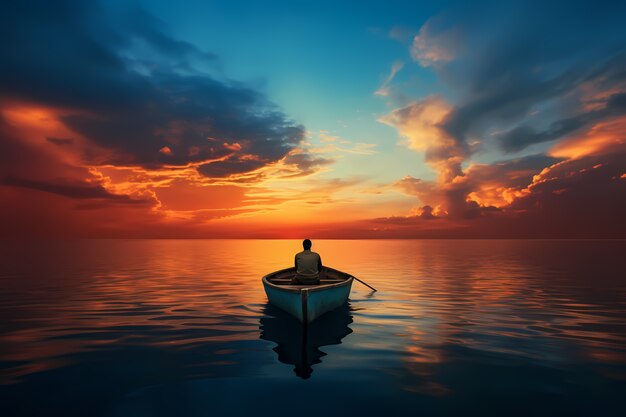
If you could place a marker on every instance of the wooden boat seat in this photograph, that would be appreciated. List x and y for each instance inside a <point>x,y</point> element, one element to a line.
<point>287,281</point>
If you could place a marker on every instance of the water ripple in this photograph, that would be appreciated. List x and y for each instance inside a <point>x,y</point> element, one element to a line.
<point>145,313</point>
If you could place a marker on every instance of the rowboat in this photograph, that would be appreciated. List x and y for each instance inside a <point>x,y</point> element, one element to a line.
<point>307,302</point>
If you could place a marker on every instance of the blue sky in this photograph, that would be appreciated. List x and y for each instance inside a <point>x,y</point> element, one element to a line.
<point>321,62</point>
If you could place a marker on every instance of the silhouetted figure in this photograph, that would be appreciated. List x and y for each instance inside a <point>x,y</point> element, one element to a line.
<point>308,265</point>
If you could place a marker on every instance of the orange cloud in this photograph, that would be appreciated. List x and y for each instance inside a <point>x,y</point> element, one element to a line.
<point>232,146</point>
<point>185,196</point>
<point>166,150</point>
<point>600,138</point>
<point>535,187</point>
<point>420,123</point>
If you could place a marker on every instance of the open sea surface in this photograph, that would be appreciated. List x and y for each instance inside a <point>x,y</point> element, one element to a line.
<point>182,327</point>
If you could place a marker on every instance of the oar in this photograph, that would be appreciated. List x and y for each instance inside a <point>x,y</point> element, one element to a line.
<point>365,283</point>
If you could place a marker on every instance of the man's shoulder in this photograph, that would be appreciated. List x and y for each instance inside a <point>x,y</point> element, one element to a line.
<point>307,253</point>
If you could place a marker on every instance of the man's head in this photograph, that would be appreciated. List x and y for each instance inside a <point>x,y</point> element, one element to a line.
<point>306,244</point>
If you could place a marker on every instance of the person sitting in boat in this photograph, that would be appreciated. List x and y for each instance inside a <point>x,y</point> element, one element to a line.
<point>308,265</point>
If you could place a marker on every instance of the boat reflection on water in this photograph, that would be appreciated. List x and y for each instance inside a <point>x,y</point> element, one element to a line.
<point>298,344</point>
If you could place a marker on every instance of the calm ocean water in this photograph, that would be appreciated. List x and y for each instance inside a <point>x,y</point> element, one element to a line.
<point>182,327</point>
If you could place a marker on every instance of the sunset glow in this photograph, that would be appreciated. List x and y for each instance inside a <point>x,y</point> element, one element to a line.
<point>426,128</point>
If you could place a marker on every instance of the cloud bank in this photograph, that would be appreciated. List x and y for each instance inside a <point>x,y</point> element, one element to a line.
<point>101,108</point>
<point>550,101</point>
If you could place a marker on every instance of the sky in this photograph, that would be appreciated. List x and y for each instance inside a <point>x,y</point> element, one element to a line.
<point>318,119</point>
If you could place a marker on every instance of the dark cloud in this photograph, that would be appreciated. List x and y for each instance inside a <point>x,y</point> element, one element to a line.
<point>225,168</point>
<point>78,55</point>
<point>197,119</point>
<point>306,163</point>
<point>72,190</point>
<point>510,174</point>
<point>23,159</point>
<point>460,207</point>
<point>484,181</point>
<point>60,141</point>
<point>150,29</point>
<point>64,54</point>
<point>523,75</point>
<point>525,135</point>
<point>26,166</point>
<point>450,200</point>
<point>426,213</point>
<point>576,198</point>
<point>296,163</point>
<point>585,193</point>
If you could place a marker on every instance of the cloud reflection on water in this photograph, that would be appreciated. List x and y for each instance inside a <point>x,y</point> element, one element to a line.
<point>538,316</point>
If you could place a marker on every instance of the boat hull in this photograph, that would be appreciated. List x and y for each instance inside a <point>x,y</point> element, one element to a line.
<point>307,303</point>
